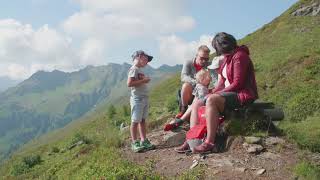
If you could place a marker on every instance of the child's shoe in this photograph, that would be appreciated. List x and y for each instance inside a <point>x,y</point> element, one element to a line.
<point>136,147</point>
<point>173,125</point>
<point>147,145</point>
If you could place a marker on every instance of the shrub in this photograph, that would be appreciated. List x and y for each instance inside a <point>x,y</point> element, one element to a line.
<point>32,160</point>
<point>20,168</point>
<point>126,110</point>
<point>80,137</point>
<point>111,111</point>
<point>55,149</point>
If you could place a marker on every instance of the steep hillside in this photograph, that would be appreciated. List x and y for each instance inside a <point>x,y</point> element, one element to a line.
<point>99,157</point>
<point>286,55</point>
<point>49,100</point>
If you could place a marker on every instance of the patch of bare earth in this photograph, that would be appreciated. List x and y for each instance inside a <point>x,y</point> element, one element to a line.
<point>274,162</point>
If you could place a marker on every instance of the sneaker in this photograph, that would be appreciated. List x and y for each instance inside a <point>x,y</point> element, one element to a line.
<point>204,148</point>
<point>184,148</point>
<point>147,145</point>
<point>179,115</point>
<point>136,147</point>
<point>173,125</point>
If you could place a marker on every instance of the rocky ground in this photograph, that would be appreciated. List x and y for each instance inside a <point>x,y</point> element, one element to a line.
<point>245,158</point>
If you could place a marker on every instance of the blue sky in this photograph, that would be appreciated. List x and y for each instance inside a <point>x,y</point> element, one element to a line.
<point>71,34</point>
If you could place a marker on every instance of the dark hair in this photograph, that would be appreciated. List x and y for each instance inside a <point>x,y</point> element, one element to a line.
<point>224,43</point>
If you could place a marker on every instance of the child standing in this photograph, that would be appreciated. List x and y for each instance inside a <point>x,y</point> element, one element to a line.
<point>137,81</point>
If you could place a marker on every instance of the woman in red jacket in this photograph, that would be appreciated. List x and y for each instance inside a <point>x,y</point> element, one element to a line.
<point>236,87</point>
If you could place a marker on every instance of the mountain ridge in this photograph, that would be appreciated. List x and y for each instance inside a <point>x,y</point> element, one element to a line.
<point>50,100</point>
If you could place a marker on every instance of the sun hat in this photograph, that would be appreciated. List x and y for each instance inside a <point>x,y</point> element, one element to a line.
<point>216,62</point>
<point>139,53</point>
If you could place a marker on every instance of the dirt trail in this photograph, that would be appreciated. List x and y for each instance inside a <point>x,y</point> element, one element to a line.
<point>276,160</point>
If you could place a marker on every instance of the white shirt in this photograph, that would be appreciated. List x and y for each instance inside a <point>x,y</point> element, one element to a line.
<point>224,74</point>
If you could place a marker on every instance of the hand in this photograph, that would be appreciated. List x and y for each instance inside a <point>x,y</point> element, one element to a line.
<point>146,79</point>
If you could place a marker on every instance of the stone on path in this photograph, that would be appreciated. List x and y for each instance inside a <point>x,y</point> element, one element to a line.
<point>253,148</point>
<point>252,140</point>
<point>172,139</point>
<point>260,171</point>
<point>194,164</point>
<point>274,141</point>
<point>241,169</point>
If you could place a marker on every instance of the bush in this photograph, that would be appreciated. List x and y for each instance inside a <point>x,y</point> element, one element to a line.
<point>20,168</point>
<point>80,137</point>
<point>32,160</point>
<point>55,149</point>
<point>111,111</point>
<point>25,164</point>
<point>126,110</point>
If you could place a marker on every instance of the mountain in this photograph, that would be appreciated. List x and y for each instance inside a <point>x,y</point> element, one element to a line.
<point>50,100</point>
<point>6,82</point>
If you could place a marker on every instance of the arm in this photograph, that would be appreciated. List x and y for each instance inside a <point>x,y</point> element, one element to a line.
<point>202,92</point>
<point>240,68</point>
<point>134,79</point>
<point>186,73</point>
<point>220,85</point>
<point>132,82</point>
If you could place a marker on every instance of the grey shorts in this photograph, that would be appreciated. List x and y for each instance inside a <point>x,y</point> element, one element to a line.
<point>139,108</point>
<point>232,101</point>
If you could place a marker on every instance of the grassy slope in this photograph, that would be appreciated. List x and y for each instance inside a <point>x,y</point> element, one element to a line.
<point>286,55</point>
<point>99,159</point>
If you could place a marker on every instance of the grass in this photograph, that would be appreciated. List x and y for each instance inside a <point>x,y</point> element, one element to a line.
<point>305,170</point>
<point>306,133</point>
<point>99,158</point>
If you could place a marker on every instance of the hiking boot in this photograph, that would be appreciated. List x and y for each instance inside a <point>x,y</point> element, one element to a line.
<point>173,124</point>
<point>184,148</point>
<point>147,145</point>
<point>136,147</point>
<point>204,148</point>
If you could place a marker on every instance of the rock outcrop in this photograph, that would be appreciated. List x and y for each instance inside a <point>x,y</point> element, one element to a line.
<point>310,10</point>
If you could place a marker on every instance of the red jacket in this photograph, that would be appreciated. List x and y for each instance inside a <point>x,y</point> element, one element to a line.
<point>240,73</point>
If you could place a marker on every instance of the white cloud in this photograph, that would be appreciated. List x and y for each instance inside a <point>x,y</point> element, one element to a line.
<point>123,20</point>
<point>25,50</point>
<point>100,29</point>
<point>175,50</point>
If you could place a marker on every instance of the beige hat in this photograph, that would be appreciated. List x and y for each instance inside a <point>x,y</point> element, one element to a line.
<point>216,62</point>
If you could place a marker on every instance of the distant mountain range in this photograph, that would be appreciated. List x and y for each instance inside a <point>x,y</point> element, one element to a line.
<point>50,100</point>
<point>6,82</point>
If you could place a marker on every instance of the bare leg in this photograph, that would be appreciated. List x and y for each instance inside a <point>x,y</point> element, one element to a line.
<point>214,105</point>
<point>186,94</point>
<point>142,129</point>
<point>134,131</point>
<point>186,115</point>
<point>194,113</point>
